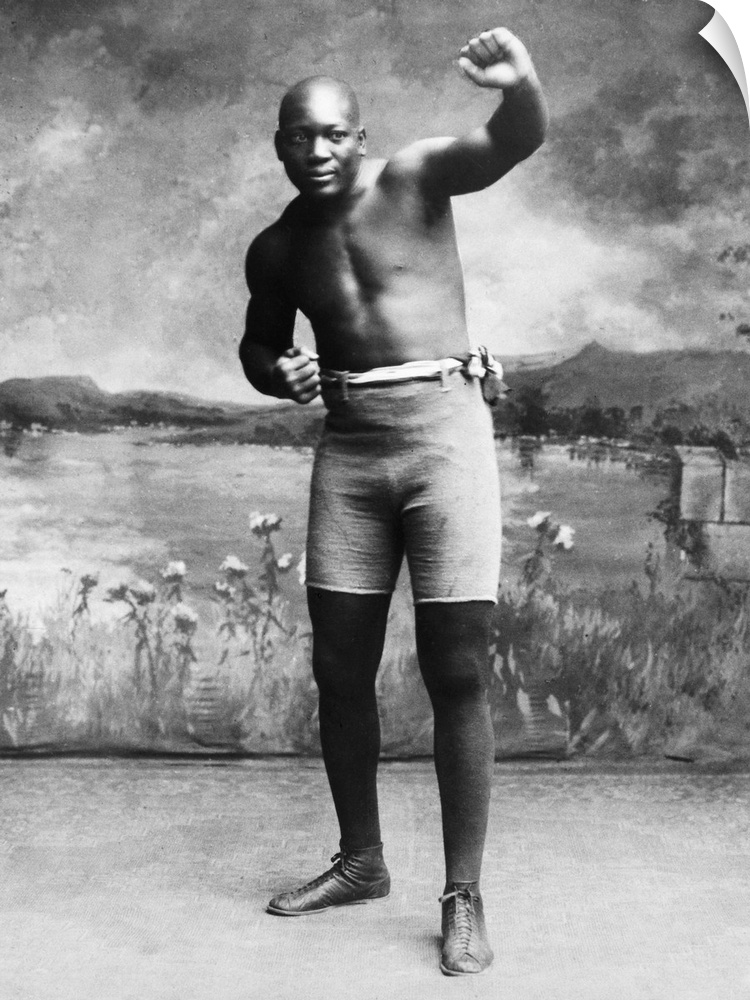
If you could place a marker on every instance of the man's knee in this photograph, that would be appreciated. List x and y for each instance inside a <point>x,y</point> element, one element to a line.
<point>348,636</point>
<point>334,681</point>
<point>453,648</point>
<point>455,675</point>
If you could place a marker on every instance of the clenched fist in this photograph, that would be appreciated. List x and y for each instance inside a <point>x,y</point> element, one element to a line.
<point>495,59</point>
<point>297,374</point>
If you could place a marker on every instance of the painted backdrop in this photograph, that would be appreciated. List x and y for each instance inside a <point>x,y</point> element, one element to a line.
<point>137,155</point>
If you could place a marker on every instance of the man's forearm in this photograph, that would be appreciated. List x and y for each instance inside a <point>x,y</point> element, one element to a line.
<point>520,123</point>
<point>259,364</point>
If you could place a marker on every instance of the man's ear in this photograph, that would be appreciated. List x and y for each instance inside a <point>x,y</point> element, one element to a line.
<point>362,141</point>
<point>277,144</point>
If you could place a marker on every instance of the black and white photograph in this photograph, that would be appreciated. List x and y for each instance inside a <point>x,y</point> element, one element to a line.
<point>374,501</point>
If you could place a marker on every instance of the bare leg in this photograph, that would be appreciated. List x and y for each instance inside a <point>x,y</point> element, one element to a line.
<point>348,637</point>
<point>453,643</point>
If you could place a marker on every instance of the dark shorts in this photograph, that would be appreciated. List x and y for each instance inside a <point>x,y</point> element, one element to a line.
<point>409,468</point>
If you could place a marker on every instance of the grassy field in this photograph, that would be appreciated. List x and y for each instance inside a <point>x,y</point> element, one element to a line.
<point>642,669</point>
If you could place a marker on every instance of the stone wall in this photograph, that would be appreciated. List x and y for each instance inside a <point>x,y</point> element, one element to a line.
<point>714,503</point>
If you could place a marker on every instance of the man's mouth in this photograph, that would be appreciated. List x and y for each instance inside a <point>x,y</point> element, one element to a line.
<point>321,175</point>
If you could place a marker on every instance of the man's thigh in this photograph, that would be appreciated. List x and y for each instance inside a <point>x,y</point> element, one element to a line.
<point>452,524</point>
<point>354,537</point>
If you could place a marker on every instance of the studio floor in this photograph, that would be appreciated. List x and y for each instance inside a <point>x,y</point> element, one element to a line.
<point>148,879</point>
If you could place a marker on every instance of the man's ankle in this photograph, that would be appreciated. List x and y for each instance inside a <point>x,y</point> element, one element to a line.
<point>453,884</point>
<point>349,849</point>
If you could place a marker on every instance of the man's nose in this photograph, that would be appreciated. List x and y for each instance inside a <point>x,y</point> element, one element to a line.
<point>319,148</point>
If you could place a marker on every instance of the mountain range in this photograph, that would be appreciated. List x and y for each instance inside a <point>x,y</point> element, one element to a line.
<point>77,403</point>
<point>654,382</point>
<point>657,381</point>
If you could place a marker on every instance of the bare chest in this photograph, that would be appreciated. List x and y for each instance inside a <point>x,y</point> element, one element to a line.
<point>354,258</point>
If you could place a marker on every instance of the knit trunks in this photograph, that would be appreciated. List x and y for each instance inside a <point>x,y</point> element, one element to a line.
<point>406,467</point>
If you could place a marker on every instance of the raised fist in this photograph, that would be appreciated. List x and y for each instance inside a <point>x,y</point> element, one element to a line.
<point>296,374</point>
<point>495,59</point>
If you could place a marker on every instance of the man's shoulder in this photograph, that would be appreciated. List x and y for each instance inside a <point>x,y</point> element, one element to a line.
<point>268,251</point>
<point>273,237</point>
<point>410,165</point>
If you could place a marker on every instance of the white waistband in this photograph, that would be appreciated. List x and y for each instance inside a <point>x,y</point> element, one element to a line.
<point>477,365</point>
<point>411,369</point>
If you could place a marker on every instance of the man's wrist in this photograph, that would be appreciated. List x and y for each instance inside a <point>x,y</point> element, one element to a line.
<point>279,387</point>
<point>526,81</point>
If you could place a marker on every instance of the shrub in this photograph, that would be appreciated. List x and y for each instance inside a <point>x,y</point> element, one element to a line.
<point>659,667</point>
<point>637,668</point>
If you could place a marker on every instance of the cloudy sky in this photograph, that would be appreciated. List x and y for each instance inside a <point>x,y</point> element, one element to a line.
<point>137,164</point>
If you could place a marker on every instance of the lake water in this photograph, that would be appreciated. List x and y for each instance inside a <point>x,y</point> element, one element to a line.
<point>120,505</point>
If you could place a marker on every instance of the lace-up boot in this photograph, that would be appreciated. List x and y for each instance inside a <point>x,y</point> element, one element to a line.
<point>356,877</point>
<point>466,950</point>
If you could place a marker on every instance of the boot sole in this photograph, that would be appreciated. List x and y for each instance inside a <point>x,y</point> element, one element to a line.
<point>322,909</point>
<point>456,972</point>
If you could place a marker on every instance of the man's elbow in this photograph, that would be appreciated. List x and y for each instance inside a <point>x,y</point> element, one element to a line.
<point>542,128</point>
<point>258,366</point>
<point>244,356</point>
<point>248,360</point>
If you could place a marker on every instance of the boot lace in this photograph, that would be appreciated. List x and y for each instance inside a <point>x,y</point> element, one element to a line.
<point>338,865</point>
<point>463,916</point>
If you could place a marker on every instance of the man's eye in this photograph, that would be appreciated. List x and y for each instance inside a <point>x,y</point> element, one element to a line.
<point>296,138</point>
<point>338,136</point>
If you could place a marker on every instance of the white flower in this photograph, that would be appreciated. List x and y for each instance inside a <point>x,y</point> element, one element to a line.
<point>234,567</point>
<point>174,572</point>
<point>564,537</point>
<point>539,518</point>
<point>283,563</point>
<point>185,618</point>
<point>224,590</point>
<point>263,524</point>
<point>256,522</point>
<point>302,569</point>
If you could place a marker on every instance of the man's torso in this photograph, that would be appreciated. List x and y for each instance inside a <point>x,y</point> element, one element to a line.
<point>379,279</point>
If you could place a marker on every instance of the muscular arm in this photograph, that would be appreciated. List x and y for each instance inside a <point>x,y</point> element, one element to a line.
<point>450,166</point>
<point>270,361</point>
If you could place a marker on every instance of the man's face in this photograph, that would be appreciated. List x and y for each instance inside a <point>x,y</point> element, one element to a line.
<point>320,144</point>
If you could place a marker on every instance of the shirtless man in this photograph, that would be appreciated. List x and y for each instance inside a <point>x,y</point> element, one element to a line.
<point>406,463</point>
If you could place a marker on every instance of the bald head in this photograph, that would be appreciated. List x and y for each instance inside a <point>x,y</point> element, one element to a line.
<point>320,140</point>
<point>317,88</point>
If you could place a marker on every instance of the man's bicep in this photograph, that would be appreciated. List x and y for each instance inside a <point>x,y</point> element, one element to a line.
<point>270,315</point>
<point>448,166</point>
<point>269,320</point>
<point>466,164</point>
